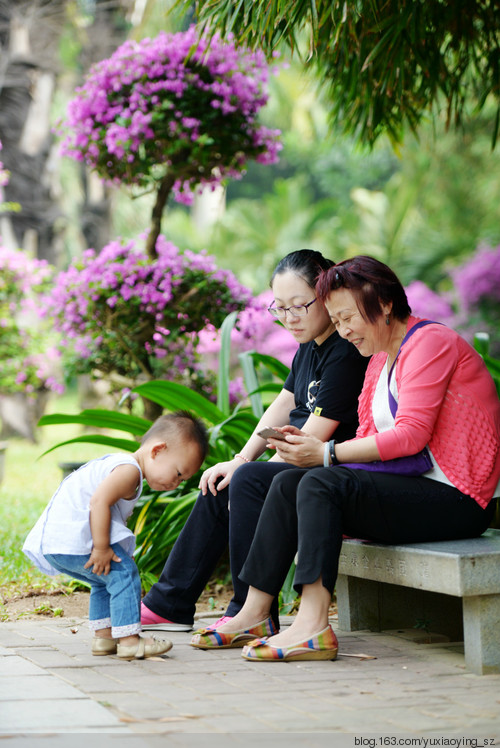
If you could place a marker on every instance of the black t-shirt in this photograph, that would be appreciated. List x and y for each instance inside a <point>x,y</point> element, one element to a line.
<point>326,381</point>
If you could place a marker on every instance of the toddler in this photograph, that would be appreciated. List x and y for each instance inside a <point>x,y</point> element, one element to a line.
<point>83,530</point>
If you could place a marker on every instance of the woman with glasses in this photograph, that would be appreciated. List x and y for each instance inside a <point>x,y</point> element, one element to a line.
<point>426,389</point>
<point>319,397</point>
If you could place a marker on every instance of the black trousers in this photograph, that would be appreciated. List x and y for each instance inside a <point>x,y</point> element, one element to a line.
<point>309,510</point>
<point>204,538</point>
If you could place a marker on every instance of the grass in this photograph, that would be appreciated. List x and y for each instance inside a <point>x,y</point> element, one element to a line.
<point>29,482</point>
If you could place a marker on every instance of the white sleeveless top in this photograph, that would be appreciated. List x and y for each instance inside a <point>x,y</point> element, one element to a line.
<point>64,526</point>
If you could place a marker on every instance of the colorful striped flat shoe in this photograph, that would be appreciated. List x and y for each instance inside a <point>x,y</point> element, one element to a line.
<point>214,639</point>
<point>322,646</point>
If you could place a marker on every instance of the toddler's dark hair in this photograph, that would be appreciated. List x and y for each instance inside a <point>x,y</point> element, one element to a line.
<point>184,425</point>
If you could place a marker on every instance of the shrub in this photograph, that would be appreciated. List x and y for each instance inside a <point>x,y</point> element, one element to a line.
<point>123,314</point>
<point>27,349</point>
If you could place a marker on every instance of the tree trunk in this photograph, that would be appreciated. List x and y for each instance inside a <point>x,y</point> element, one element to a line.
<point>164,191</point>
<point>152,410</point>
<point>30,32</point>
<point>27,84</point>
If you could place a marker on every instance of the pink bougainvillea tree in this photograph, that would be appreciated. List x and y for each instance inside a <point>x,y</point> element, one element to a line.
<point>171,114</point>
<point>122,314</point>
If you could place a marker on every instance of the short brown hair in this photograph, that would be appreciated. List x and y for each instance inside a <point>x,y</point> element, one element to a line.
<point>372,284</point>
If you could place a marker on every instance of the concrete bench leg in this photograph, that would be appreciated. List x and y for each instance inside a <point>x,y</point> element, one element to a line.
<point>357,603</point>
<point>379,606</point>
<point>482,633</point>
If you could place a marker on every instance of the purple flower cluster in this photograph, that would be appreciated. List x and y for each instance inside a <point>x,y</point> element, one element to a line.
<point>121,311</point>
<point>20,277</point>
<point>478,280</point>
<point>28,359</point>
<point>427,303</point>
<point>175,104</point>
<point>473,303</point>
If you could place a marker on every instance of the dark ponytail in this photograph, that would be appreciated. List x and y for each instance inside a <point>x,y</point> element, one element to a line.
<point>306,263</point>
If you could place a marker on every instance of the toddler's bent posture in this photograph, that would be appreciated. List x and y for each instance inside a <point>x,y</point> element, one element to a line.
<point>83,530</point>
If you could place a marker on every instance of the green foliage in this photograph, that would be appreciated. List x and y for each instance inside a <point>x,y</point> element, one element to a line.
<point>288,217</point>
<point>384,64</point>
<point>131,318</point>
<point>416,209</point>
<point>288,598</point>
<point>417,212</point>
<point>482,345</point>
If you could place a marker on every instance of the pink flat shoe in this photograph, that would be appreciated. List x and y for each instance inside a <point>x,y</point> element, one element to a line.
<point>321,646</point>
<point>150,620</point>
<point>218,623</point>
<point>214,639</point>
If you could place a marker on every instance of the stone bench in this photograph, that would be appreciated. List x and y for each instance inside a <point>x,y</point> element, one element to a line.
<point>451,587</point>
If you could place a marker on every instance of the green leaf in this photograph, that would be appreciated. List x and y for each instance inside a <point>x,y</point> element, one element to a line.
<point>126,445</point>
<point>482,343</point>
<point>276,367</point>
<point>100,418</point>
<point>493,365</point>
<point>224,363</point>
<point>251,382</point>
<point>174,396</point>
<point>288,595</point>
<point>271,387</point>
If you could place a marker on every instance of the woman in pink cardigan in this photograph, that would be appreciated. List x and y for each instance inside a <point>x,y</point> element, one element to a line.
<point>425,389</point>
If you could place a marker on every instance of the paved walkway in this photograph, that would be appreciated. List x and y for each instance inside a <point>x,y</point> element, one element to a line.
<point>50,685</point>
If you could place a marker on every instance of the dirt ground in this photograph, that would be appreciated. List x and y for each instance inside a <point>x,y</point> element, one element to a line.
<point>213,601</point>
<point>58,604</point>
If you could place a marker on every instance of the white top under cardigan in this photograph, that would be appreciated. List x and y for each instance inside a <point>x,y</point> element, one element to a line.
<point>384,420</point>
<point>64,526</point>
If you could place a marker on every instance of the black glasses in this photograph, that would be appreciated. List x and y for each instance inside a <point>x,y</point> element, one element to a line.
<point>298,310</point>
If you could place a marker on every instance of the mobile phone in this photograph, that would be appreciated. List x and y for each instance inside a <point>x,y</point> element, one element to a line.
<point>268,433</point>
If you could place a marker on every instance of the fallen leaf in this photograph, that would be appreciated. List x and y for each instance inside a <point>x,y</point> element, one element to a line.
<point>359,656</point>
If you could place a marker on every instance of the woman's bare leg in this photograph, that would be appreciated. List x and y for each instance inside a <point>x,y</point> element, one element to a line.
<point>312,616</point>
<point>256,608</point>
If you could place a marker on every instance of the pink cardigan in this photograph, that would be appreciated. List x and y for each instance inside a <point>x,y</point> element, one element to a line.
<point>446,399</point>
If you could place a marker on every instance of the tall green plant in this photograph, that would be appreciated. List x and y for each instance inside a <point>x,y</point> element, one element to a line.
<point>384,65</point>
<point>482,344</point>
<point>159,517</point>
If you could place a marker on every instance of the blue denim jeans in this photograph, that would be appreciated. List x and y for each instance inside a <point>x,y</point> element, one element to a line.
<point>115,598</point>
